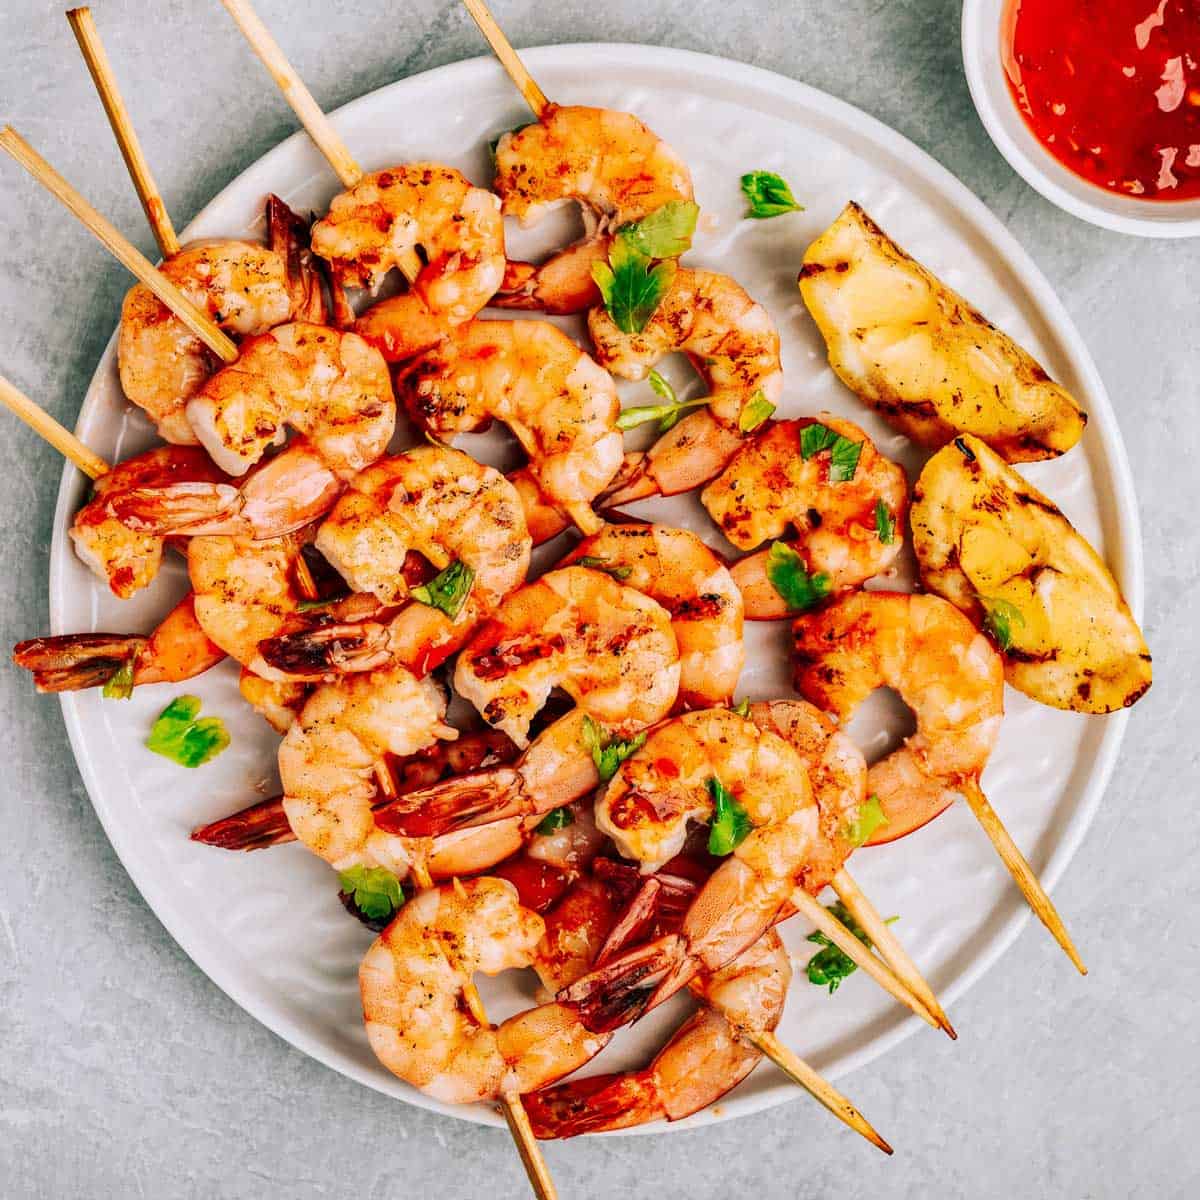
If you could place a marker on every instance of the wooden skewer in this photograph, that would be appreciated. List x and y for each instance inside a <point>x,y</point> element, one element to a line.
<point>515,1115</point>
<point>43,424</point>
<point>1018,866</point>
<point>94,55</point>
<point>118,245</point>
<point>889,946</point>
<point>797,1070</point>
<point>509,59</point>
<point>849,945</point>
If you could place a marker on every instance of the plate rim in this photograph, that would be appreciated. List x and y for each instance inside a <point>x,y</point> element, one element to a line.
<point>1010,254</point>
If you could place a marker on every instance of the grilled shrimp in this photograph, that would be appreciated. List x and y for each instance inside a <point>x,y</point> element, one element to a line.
<point>685,769</point>
<point>328,385</point>
<point>846,529</point>
<point>942,667</point>
<point>608,162</point>
<point>705,1058</point>
<point>921,355</point>
<point>327,762</point>
<point>675,568</point>
<point>459,515</point>
<point>609,647</point>
<point>414,980</point>
<point>178,649</point>
<point>530,376</point>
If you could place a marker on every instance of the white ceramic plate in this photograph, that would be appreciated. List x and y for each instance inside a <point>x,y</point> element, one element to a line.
<point>267,927</point>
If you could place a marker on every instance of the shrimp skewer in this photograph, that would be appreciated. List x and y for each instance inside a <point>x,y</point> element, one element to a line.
<point>953,679</point>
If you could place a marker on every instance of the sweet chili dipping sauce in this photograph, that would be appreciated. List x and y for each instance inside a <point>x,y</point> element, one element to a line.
<point>1112,89</point>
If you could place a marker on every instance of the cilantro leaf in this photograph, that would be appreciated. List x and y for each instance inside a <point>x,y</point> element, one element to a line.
<point>742,708</point>
<point>666,415</point>
<point>119,685</point>
<point>730,825</point>
<point>558,818</point>
<point>448,589</point>
<point>608,753</point>
<point>768,195</point>
<point>843,453</point>
<point>602,564</point>
<point>754,412</point>
<point>831,966</point>
<point>177,734</point>
<point>311,605</point>
<point>999,618</point>
<point>885,523</point>
<point>870,818</point>
<point>374,890</point>
<point>631,288</point>
<point>664,233</point>
<point>789,576</point>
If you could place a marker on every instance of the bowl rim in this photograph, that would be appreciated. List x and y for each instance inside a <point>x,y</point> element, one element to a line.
<point>1027,156</point>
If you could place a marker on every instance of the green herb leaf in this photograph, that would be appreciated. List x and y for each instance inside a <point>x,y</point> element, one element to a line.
<point>999,618</point>
<point>768,195</point>
<point>666,232</point>
<point>870,818</point>
<point>843,453</point>
<point>448,589</point>
<point>119,685</point>
<point>730,825</point>
<point>742,708</point>
<point>830,966</point>
<point>754,412</point>
<point>310,605</point>
<point>558,818</point>
<point>375,890</point>
<point>608,753</point>
<point>602,564</point>
<point>789,576</point>
<point>661,387</point>
<point>177,734</point>
<point>631,288</point>
<point>885,523</point>
<point>665,414</point>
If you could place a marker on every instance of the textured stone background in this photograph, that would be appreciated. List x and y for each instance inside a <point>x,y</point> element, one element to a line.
<point>125,1072</point>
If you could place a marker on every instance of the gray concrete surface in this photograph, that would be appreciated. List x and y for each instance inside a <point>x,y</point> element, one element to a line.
<point>125,1072</point>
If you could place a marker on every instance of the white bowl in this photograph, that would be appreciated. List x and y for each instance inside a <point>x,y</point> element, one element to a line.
<point>981,21</point>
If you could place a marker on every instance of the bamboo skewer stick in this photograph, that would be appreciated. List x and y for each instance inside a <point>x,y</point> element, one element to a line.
<point>101,70</point>
<point>118,245</point>
<point>509,59</point>
<point>1018,866</point>
<point>797,1070</point>
<point>45,426</point>
<point>849,945</point>
<point>889,947</point>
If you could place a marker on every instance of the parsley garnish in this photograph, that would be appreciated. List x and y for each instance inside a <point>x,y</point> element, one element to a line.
<point>999,618</point>
<point>843,453</point>
<point>119,685</point>
<point>754,412</point>
<point>558,818</point>
<point>664,233</point>
<point>448,589</point>
<point>830,966</point>
<point>374,890</point>
<point>602,564</point>
<point>885,523</point>
<point>870,818</point>
<point>768,195</point>
<point>310,605</point>
<point>742,708</point>
<point>789,577</point>
<point>179,736</point>
<point>730,824</point>
<point>632,289</point>
<point>608,753</point>
<point>666,415</point>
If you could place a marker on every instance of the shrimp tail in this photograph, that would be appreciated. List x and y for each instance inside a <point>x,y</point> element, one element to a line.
<point>289,237</point>
<point>255,828</point>
<point>591,1105</point>
<point>76,661</point>
<point>175,508</point>
<point>632,482</point>
<point>476,799</point>
<point>343,648</point>
<point>628,987</point>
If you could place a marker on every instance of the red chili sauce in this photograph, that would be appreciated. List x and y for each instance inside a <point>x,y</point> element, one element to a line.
<point>1112,89</point>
